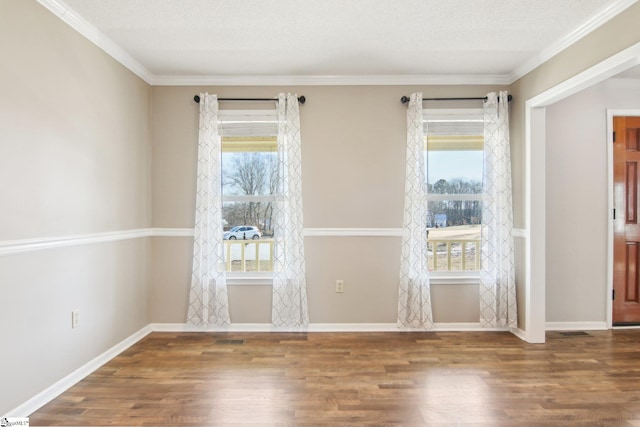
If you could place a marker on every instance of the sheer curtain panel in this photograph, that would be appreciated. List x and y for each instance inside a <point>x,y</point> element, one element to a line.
<point>208,300</point>
<point>414,297</point>
<point>497,273</point>
<point>289,278</point>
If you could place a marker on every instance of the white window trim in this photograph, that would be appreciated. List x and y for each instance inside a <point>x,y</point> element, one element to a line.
<point>454,277</point>
<point>435,277</point>
<point>249,198</point>
<point>437,197</point>
<point>238,278</point>
<point>249,123</point>
<point>453,115</point>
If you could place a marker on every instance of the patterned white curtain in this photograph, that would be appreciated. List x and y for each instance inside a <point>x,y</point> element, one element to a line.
<point>208,301</point>
<point>414,298</point>
<point>289,280</point>
<point>497,273</point>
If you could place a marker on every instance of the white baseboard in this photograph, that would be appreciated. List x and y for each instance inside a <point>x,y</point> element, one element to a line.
<point>320,327</point>
<point>564,326</point>
<point>53,391</point>
<point>576,326</point>
<point>519,333</point>
<point>267,327</point>
<point>465,327</point>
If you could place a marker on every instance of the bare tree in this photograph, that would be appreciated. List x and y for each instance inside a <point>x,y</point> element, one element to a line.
<point>251,174</point>
<point>458,212</point>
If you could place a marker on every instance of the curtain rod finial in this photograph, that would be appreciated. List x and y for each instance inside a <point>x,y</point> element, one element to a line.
<point>302,99</point>
<point>404,99</point>
<point>197,99</point>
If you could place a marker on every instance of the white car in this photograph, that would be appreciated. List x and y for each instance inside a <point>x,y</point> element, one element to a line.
<point>242,232</point>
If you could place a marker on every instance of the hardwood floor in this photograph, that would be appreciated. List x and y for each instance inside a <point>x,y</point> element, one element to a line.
<point>354,379</point>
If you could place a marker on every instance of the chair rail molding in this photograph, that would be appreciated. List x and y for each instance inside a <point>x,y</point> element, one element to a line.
<point>21,246</point>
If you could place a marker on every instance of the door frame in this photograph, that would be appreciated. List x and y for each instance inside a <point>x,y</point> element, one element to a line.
<point>535,203</point>
<point>611,113</point>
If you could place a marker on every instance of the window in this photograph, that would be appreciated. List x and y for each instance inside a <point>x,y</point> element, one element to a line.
<point>454,159</point>
<point>249,179</point>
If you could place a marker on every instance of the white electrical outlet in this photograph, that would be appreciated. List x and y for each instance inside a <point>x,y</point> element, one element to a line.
<point>339,286</point>
<point>75,318</point>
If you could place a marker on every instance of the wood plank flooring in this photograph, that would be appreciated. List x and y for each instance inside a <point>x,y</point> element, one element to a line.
<point>360,379</point>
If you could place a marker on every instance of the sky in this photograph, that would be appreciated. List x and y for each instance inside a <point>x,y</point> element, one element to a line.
<point>454,164</point>
<point>441,165</point>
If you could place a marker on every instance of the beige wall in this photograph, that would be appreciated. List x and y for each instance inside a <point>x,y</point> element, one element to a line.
<point>576,199</point>
<point>74,159</point>
<point>353,177</point>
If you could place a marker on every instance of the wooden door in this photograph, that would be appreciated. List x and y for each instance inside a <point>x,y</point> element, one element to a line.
<point>626,240</point>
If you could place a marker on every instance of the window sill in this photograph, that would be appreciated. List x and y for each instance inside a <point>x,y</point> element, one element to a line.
<point>454,278</point>
<point>249,279</point>
<point>436,278</point>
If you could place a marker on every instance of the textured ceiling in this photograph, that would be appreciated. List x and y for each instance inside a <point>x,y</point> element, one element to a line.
<point>336,37</point>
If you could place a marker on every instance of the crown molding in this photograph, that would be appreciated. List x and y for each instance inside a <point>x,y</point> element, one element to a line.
<point>75,21</point>
<point>90,32</point>
<point>589,26</point>
<point>337,80</point>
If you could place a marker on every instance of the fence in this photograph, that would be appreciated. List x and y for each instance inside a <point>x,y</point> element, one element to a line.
<point>449,255</point>
<point>249,255</point>
<point>454,255</point>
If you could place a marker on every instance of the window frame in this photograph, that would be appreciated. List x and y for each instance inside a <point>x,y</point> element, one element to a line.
<point>240,131</point>
<point>456,119</point>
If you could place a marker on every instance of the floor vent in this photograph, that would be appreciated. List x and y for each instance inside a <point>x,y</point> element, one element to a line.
<point>230,342</point>
<point>574,334</point>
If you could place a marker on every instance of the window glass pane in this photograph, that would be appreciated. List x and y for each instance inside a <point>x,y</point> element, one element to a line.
<point>450,213</point>
<point>454,172</point>
<point>249,180</point>
<point>249,173</point>
<point>454,228</point>
<point>454,167</point>
<point>248,219</point>
<point>248,236</point>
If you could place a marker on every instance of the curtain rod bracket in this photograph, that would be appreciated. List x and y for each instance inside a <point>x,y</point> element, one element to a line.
<point>301,99</point>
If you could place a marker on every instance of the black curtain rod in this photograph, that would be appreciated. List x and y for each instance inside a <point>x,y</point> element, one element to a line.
<point>405,99</point>
<point>301,99</point>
